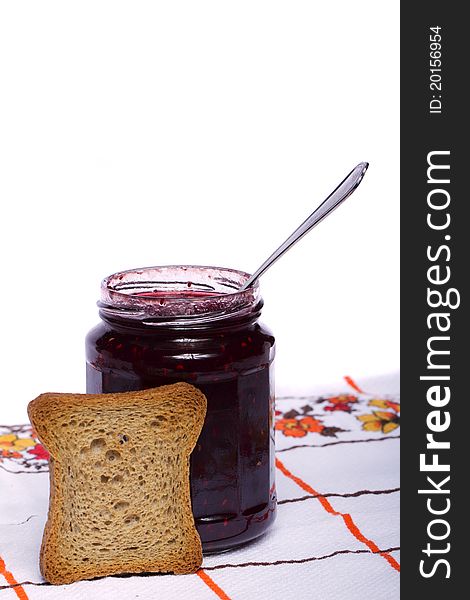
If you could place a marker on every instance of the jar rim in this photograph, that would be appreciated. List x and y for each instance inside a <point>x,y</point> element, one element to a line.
<point>170,294</point>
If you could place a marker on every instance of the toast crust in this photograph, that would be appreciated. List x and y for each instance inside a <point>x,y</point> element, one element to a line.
<point>119,482</point>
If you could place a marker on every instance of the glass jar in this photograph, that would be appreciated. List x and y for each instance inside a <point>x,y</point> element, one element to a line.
<point>161,325</point>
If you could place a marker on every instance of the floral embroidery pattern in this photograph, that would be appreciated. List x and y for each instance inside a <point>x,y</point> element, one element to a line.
<point>299,427</point>
<point>10,442</point>
<point>385,421</point>
<point>319,415</point>
<point>19,445</point>
<point>20,450</point>
<point>39,452</point>
<point>342,403</point>
<point>295,424</point>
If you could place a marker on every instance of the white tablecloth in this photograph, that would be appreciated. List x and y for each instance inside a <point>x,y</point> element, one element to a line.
<point>337,531</point>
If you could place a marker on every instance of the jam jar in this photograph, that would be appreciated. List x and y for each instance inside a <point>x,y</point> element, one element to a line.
<point>161,325</point>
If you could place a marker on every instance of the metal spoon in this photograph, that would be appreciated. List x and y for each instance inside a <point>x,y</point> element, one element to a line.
<point>343,191</point>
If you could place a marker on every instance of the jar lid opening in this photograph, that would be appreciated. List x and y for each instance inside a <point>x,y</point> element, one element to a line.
<point>156,295</point>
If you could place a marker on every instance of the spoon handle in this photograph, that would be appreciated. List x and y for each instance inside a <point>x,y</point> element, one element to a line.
<point>343,191</point>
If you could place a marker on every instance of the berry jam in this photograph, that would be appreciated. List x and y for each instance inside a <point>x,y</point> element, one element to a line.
<point>169,324</point>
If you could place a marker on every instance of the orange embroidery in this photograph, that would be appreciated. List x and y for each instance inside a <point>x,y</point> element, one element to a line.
<point>299,427</point>
<point>348,521</point>
<point>9,454</point>
<point>219,592</point>
<point>19,591</point>
<point>352,384</point>
<point>298,424</point>
<point>343,399</point>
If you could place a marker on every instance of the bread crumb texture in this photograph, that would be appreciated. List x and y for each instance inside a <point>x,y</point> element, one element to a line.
<point>108,512</point>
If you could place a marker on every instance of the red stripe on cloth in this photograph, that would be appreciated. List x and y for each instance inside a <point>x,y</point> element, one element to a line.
<point>348,521</point>
<point>219,592</point>
<point>19,591</point>
<point>354,385</point>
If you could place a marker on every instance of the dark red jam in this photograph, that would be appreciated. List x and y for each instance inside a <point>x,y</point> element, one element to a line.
<point>168,324</point>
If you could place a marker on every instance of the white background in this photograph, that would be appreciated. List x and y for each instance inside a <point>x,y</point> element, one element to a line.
<point>140,133</point>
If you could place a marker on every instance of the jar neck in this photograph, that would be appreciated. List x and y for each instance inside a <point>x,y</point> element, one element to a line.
<point>229,322</point>
<point>178,298</point>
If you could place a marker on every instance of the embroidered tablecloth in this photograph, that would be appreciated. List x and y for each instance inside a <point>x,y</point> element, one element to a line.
<point>337,531</point>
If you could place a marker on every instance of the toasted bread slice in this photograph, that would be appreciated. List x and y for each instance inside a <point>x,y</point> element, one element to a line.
<point>119,482</point>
